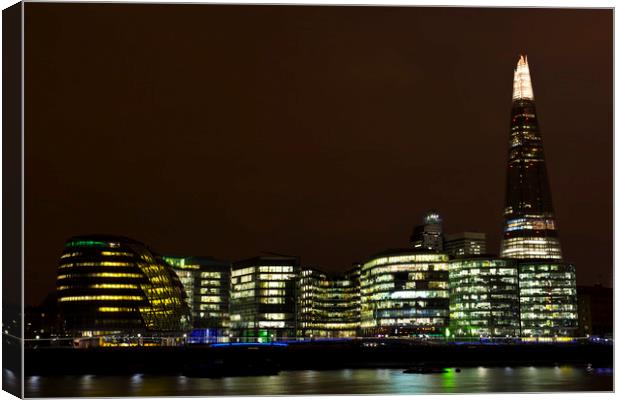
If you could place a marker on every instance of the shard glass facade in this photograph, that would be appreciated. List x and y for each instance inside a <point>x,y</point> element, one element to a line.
<point>547,293</point>
<point>529,222</point>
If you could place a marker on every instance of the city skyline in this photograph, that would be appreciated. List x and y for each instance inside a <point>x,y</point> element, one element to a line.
<point>309,194</point>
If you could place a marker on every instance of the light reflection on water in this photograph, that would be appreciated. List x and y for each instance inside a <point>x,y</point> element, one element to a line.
<point>346,381</point>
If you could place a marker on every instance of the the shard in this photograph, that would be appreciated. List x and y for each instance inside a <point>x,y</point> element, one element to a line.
<point>529,223</point>
<point>547,291</point>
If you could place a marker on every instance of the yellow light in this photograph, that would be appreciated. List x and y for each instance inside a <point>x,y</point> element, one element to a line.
<point>116,253</point>
<point>100,297</point>
<point>67,255</point>
<point>97,264</point>
<point>102,275</point>
<point>102,286</point>
<point>522,86</point>
<point>113,286</point>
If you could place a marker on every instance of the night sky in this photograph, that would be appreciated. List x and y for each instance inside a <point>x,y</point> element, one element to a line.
<point>322,132</point>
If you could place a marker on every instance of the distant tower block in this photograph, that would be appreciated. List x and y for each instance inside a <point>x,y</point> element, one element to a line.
<point>466,244</point>
<point>428,236</point>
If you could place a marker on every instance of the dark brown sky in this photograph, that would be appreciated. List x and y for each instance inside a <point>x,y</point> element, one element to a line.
<point>324,132</point>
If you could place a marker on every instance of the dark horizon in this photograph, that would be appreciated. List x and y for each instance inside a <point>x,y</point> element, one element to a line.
<point>321,132</point>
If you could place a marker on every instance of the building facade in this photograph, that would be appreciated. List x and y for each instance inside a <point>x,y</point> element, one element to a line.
<point>529,222</point>
<point>206,281</point>
<point>405,293</point>
<point>116,285</point>
<point>547,298</point>
<point>263,298</point>
<point>484,297</point>
<point>328,305</point>
<point>429,235</point>
<point>465,244</point>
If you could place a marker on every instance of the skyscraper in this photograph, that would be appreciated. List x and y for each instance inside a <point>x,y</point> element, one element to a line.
<point>547,285</point>
<point>529,222</point>
<point>428,236</point>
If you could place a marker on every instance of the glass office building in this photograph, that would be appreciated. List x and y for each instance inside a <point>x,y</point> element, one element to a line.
<point>465,244</point>
<point>529,222</point>
<point>115,285</point>
<point>484,297</point>
<point>404,293</point>
<point>548,299</point>
<point>206,281</point>
<point>328,305</point>
<point>263,298</point>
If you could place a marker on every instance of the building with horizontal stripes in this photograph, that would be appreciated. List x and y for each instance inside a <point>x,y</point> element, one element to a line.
<point>115,285</point>
<point>484,297</point>
<point>328,305</point>
<point>404,292</point>
<point>206,282</point>
<point>548,298</point>
<point>263,298</point>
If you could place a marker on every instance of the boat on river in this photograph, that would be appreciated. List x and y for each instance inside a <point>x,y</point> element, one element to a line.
<point>425,369</point>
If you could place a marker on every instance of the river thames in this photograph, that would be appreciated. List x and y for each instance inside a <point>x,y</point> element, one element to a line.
<point>345,381</point>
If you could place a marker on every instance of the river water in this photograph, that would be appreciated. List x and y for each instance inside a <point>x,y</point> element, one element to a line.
<point>346,381</point>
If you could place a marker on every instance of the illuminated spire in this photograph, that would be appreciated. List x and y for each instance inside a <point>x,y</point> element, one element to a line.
<point>529,230</point>
<point>522,86</point>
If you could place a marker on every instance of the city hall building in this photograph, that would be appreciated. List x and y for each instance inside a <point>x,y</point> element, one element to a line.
<point>115,285</point>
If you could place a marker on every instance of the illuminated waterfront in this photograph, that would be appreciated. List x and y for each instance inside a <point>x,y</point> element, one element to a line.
<point>345,381</point>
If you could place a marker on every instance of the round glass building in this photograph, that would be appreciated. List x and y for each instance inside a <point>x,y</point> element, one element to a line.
<point>115,285</point>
